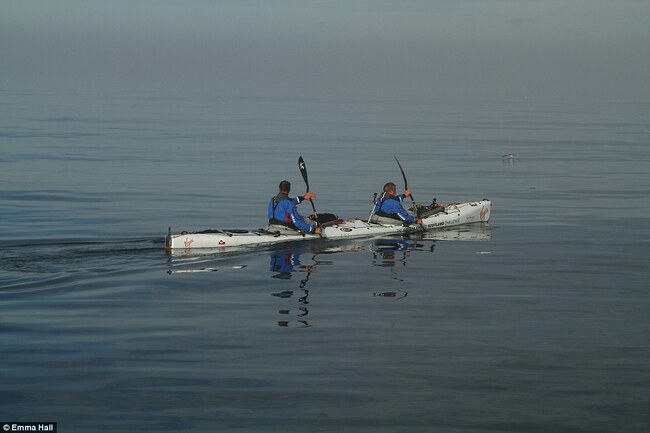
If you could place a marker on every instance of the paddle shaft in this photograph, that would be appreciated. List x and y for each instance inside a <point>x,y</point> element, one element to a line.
<point>303,171</point>
<point>374,204</point>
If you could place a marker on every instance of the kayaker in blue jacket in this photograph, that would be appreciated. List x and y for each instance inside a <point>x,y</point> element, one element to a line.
<point>282,210</point>
<point>390,205</point>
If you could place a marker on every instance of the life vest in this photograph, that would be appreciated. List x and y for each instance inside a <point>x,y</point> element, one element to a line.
<point>379,205</point>
<point>275,202</point>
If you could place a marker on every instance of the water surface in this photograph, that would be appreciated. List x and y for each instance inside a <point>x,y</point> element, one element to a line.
<point>535,322</point>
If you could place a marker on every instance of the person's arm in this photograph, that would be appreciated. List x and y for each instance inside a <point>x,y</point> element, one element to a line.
<point>300,223</point>
<point>405,216</point>
<point>407,193</point>
<point>270,212</point>
<point>308,196</point>
<point>395,207</point>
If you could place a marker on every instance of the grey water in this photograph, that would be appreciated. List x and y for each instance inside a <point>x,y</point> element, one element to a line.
<point>537,321</point>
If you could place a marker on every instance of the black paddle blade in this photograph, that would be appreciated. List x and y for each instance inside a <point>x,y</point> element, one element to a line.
<point>406,185</point>
<point>303,171</point>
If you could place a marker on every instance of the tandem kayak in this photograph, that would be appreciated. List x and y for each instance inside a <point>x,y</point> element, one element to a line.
<point>451,215</point>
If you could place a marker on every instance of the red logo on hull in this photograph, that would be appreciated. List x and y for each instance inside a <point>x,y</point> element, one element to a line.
<point>484,213</point>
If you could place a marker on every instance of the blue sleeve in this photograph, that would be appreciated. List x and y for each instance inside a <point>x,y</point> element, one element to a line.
<point>297,221</point>
<point>396,208</point>
<point>270,212</point>
<point>402,212</point>
<point>405,216</point>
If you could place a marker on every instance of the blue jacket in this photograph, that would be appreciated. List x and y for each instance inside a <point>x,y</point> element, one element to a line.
<point>392,207</point>
<point>282,210</point>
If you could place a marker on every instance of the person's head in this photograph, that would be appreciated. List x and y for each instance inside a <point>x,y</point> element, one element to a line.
<point>285,186</point>
<point>390,189</point>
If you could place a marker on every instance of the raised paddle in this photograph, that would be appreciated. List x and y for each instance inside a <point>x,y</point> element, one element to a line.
<point>303,171</point>
<point>406,185</point>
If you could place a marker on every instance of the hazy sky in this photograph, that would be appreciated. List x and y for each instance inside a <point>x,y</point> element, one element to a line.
<point>506,49</point>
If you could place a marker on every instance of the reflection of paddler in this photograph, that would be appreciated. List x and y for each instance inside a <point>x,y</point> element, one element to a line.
<point>386,249</point>
<point>283,264</point>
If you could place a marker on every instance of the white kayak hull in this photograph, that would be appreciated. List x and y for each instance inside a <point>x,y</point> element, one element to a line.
<point>459,214</point>
<point>453,215</point>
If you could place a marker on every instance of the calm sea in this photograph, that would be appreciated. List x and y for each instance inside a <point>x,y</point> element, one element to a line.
<point>537,322</point>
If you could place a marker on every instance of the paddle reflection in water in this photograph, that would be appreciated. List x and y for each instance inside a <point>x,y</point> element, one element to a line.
<point>286,262</point>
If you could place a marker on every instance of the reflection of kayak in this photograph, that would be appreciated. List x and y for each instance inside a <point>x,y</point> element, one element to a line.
<point>452,215</point>
<point>206,269</point>
<point>468,232</point>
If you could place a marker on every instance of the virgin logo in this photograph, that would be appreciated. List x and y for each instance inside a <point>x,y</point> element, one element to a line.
<point>484,212</point>
<point>188,242</point>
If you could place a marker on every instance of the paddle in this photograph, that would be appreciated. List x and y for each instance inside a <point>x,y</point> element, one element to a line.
<point>406,185</point>
<point>374,203</point>
<point>303,171</point>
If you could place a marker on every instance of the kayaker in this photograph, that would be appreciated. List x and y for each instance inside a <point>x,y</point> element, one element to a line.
<point>283,212</point>
<point>390,205</point>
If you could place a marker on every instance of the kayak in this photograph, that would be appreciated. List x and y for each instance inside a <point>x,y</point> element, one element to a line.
<point>452,215</point>
<point>448,216</point>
